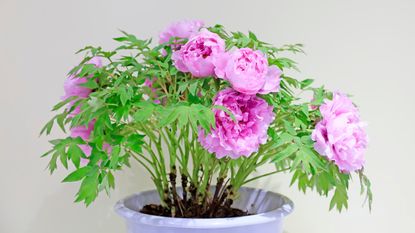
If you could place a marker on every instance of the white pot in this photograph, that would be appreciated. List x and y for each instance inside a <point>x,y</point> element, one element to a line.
<point>270,209</point>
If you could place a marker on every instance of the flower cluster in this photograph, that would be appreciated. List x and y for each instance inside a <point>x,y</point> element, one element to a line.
<point>340,135</point>
<point>204,103</point>
<point>248,73</point>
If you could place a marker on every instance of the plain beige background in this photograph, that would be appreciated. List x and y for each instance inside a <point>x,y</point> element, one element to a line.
<point>363,47</point>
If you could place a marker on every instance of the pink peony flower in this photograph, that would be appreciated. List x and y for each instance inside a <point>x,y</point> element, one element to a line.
<point>340,135</point>
<point>83,132</point>
<point>97,61</point>
<point>72,88</point>
<point>248,71</point>
<point>198,55</point>
<point>243,137</point>
<point>182,29</point>
<point>71,85</point>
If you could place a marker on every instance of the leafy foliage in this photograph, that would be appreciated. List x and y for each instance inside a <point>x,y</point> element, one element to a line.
<point>137,120</point>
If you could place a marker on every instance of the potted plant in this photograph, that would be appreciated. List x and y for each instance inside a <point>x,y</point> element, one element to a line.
<point>202,111</point>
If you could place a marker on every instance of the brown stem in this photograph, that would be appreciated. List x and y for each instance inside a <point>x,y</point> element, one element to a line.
<point>176,198</point>
<point>215,200</point>
<point>184,186</point>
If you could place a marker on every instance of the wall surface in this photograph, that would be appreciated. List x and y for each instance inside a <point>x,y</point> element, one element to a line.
<point>363,47</point>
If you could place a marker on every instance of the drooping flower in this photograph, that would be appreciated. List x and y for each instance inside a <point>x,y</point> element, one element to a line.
<point>243,136</point>
<point>198,55</point>
<point>248,72</point>
<point>341,135</point>
<point>182,29</point>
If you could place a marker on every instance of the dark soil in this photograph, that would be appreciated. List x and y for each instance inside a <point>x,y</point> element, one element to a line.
<point>192,203</point>
<point>194,212</point>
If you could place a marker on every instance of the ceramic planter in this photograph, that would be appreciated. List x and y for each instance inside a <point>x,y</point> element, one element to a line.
<point>270,209</point>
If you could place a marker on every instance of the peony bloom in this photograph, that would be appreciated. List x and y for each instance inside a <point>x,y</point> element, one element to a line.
<point>182,29</point>
<point>243,137</point>
<point>198,55</point>
<point>72,87</point>
<point>83,132</point>
<point>340,135</point>
<point>248,71</point>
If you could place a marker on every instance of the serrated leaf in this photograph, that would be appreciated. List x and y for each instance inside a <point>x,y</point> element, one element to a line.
<point>87,69</point>
<point>63,103</point>
<point>78,174</point>
<point>111,180</point>
<point>115,154</point>
<point>339,199</point>
<point>90,83</point>
<point>288,151</point>
<point>52,163</point>
<point>75,153</point>
<point>89,187</point>
<point>145,112</point>
<point>306,82</point>
<point>169,116</point>
<point>48,127</point>
<point>64,159</point>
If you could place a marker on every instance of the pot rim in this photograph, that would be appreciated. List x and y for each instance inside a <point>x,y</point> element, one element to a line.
<point>262,218</point>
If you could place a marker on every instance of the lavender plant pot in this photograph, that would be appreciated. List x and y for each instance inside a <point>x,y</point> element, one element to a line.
<point>270,209</point>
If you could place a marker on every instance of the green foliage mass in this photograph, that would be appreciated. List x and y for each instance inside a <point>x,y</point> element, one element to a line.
<point>163,137</point>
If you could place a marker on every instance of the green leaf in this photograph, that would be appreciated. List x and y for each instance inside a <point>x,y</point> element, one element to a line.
<point>52,163</point>
<point>306,82</point>
<point>89,187</point>
<point>90,83</point>
<point>284,138</point>
<point>339,199</point>
<point>145,111</point>
<point>134,142</point>
<point>170,115</point>
<point>78,174</point>
<point>183,119</point>
<point>115,154</point>
<point>63,103</point>
<point>64,159</point>
<point>193,88</point>
<point>87,70</point>
<point>125,94</point>
<point>365,186</point>
<point>75,153</point>
<point>47,153</point>
<point>60,119</point>
<point>48,127</point>
<point>111,180</point>
<point>287,152</point>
